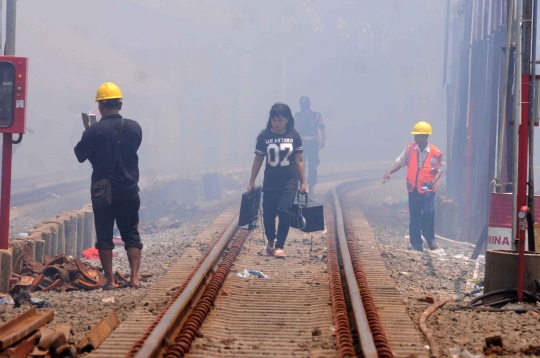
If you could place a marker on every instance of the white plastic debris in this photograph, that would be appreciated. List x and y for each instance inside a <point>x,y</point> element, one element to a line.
<point>438,252</point>
<point>249,273</point>
<point>108,299</point>
<point>462,353</point>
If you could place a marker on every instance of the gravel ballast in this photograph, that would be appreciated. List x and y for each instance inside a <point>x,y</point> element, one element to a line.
<point>445,273</point>
<point>84,309</point>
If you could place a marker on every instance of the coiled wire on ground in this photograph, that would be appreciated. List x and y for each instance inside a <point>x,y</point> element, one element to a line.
<point>344,339</point>
<point>196,318</point>
<point>137,346</point>
<point>377,330</point>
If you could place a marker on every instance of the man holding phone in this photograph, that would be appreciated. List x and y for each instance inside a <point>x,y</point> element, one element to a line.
<point>111,147</point>
<point>424,168</point>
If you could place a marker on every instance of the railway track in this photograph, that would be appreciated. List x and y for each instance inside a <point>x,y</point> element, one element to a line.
<point>39,194</point>
<point>331,297</point>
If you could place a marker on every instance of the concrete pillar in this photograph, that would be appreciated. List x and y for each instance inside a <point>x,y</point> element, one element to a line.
<point>6,262</point>
<point>39,245</point>
<point>31,244</point>
<point>80,233</point>
<point>53,230</point>
<point>17,249</point>
<point>58,225</point>
<point>46,236</point>
<point>88,224</point>
<point>68,243</point>
<point>92,230</point>
<point>73,233</point>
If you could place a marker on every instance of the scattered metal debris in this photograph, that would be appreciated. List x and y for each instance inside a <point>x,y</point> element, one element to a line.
<point>98,334</point>
<point>62,274</point>
<point>22,326</point>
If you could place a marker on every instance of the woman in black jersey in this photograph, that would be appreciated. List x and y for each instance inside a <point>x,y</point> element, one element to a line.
<point>281,144</point>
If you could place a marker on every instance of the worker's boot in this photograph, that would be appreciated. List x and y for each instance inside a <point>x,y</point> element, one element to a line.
<point>432,245</point>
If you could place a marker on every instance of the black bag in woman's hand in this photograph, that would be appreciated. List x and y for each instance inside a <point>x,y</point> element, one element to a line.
<point>308,216</point>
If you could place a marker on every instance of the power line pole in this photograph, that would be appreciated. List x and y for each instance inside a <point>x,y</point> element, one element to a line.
<point>7,138</point>
<point>521,125</point>
<point>11,24</point>
<point>532,103</point>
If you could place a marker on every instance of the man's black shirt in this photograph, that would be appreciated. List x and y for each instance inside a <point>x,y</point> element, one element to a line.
<point>280,151</point>
<point>98,144</point>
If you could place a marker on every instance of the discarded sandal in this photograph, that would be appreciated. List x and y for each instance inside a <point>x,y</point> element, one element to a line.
<point>279,253</point>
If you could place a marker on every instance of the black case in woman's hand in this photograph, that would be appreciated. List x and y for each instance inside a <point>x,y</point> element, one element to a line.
<point>312,212</point>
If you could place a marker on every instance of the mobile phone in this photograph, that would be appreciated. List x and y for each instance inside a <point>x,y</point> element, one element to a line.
<point>85,120</point>
<point>93,118</point>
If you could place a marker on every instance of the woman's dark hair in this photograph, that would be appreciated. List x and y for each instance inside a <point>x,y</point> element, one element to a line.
<point>280,110</point>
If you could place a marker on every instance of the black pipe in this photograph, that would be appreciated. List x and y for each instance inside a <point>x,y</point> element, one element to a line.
<point>530,230</point>
<point>506,296</point>
<point>488,309</point>
<point>18,139</point>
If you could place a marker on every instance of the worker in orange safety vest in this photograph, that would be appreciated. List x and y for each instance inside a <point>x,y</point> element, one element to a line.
<point>424,168</point>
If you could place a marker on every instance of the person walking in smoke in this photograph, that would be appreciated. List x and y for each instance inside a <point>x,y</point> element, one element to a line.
<point>281,145</point>
<point>111,147</point>
<point>424,168</point>
<point>310,125</point>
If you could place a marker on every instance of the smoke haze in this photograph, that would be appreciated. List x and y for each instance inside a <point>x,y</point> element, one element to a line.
<point>200,76</point>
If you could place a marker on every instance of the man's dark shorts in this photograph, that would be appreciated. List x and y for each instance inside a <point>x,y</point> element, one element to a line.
<point>125,210</point>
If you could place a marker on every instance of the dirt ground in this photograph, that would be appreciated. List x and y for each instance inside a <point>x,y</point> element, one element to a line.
<point>84,309</point>
<point>443,273</point>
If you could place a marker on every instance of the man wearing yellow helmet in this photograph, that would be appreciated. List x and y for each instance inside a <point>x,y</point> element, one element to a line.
<point>111,147</point>
<point>424,168</point>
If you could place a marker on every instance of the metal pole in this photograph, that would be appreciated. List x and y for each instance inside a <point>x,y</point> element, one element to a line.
<point>1,27</point>
<point>502,118</point>
<point>532,110</point>
<point>471,38</point>
<point>7,145</point>
<point>11,24</point>
<point>516,115</point>
<point>446,35</point>
<point>5,193</point>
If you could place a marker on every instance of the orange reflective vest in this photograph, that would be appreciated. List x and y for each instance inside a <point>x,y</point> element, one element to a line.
<point>420,175</point>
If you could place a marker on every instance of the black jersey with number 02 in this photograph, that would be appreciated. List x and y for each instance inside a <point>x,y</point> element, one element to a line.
<point>280,151</point>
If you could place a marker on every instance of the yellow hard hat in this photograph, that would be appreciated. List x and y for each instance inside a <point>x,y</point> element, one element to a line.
<point>108,90</point>
<point>422,128</point>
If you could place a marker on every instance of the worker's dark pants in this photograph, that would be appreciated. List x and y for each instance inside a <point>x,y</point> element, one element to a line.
<point>278,203</point>
<point>125,210</point>
<point>311,158</point>
<point>422,211</point>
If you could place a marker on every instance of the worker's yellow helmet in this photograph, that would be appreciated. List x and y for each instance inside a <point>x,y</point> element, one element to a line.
<point>108,90</point>
<point>422,128</point>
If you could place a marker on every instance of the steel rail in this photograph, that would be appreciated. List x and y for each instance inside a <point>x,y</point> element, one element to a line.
<point>153,344</point>
<point>359,313</point>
